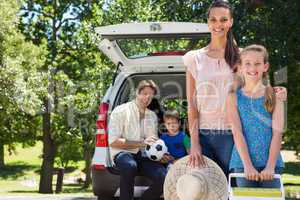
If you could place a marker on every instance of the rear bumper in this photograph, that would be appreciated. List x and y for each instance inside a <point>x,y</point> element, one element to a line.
<point>106,184</point>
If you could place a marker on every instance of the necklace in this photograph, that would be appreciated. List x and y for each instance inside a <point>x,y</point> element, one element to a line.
<point>215,52</point>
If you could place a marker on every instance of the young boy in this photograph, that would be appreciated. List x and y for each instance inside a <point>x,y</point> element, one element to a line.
<point>177,141</point>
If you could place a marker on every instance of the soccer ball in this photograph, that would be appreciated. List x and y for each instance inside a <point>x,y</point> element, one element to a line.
<point>156,151</point>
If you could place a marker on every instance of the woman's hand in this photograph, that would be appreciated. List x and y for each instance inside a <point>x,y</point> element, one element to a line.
<point>280,93</point>
<point>251,173</point>
<point>267,174</point>
<point>196,158</point>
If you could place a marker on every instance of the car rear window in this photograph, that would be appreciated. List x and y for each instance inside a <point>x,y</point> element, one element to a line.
<point>136,48</point>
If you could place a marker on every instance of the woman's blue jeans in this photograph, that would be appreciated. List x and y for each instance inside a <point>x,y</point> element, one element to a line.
<point>217,145</point>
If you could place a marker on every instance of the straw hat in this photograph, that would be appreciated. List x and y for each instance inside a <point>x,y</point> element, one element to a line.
<point>204,183</point>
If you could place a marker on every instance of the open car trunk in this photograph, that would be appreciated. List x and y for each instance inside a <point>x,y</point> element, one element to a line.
<point>151,43</point>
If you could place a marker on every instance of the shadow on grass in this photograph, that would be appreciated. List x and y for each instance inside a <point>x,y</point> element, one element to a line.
<point>67,189</point>
<point>24,191</point>
<point>292,168</point>
<point>75,188</point>
<point>16,170</point>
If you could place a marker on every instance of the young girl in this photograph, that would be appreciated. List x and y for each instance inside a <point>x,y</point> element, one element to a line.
<point>257,121</point>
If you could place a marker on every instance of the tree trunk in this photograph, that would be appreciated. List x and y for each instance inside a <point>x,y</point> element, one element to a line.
<point>49,148</point>
<point>48,154</point>
<point>88,161</point>
<point>2,164</point>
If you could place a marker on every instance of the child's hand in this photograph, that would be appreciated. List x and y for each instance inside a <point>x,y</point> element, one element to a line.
<point>251,173</point>
<point>166,158</point>
<point>267,174</point>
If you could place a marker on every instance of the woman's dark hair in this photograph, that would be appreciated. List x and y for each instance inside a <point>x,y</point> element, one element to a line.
<point>231,49</point>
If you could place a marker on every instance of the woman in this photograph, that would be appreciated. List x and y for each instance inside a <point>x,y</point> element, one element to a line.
<point>209,78</point>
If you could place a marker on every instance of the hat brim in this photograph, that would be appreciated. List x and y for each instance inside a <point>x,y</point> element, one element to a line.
<point>216,182</point>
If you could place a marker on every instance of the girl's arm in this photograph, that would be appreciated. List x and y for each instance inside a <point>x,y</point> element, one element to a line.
<point>196,158</point>
<point>275,146</point>
<point>239,139</point>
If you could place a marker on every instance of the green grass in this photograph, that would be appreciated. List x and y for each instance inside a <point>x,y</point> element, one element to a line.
<point>21,175</point>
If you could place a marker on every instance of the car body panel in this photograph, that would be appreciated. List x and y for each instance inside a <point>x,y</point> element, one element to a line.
<point>152,29</point>
<point>110,34</point>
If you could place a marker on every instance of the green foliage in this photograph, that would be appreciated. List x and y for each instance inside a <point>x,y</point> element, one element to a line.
<point>22,84</point>
<point>176,104</point>
<point>69,152</point>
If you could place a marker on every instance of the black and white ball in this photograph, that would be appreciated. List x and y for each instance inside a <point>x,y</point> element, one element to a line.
<point>156,151</point>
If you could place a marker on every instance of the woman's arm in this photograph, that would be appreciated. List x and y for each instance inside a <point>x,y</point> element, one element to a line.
<point>196,158</point>
<point>239,139</point>
<point>280,93</point>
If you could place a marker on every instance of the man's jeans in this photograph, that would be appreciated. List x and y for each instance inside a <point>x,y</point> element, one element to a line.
<point>132,164</point>
<point>217,145</point>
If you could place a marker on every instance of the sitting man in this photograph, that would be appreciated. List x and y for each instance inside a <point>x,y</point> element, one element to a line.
<point>132,126</point>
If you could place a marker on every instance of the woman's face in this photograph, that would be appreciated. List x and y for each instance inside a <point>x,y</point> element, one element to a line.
<point>219,21</point>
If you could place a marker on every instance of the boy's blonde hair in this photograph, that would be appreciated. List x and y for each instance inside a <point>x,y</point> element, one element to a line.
<point>171,114</point>
<point>269,93</point>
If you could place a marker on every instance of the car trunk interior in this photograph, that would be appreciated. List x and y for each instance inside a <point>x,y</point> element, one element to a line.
<point>171,94</point>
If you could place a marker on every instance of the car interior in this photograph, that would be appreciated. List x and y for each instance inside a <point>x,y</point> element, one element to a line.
<point>171,95</point>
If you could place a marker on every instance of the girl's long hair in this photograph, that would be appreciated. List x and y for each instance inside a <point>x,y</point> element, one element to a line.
<point>231,49</point>
<point>269,92</point>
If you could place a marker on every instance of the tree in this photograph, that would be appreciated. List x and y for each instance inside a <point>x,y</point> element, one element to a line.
<point>21,82</point>
<point>70,64</point>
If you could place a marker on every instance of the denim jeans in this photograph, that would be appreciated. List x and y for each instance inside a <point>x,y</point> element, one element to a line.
<point>132,164</point>
<point>217,145</point>
<point>242,182</point>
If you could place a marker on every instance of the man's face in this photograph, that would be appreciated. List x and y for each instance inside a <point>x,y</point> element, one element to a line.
<point>145,96</point>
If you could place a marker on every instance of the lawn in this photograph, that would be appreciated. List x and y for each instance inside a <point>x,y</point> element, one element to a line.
<point>21,175</point>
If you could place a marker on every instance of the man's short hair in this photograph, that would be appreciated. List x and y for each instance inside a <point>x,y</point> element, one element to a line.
<point>171,114</point>
<point>146,83</point>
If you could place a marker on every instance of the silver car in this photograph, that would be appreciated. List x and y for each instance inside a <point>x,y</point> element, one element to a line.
<point>141,51</point>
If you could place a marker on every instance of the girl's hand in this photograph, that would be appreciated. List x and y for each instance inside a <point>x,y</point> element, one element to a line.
<point>280,93</point>
<point>196,159</point>
<point>267,174</point>
<point>251,173</point>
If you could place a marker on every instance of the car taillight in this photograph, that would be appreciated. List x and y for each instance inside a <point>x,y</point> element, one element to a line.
<point>101,137</point>
<point>102,116</point>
